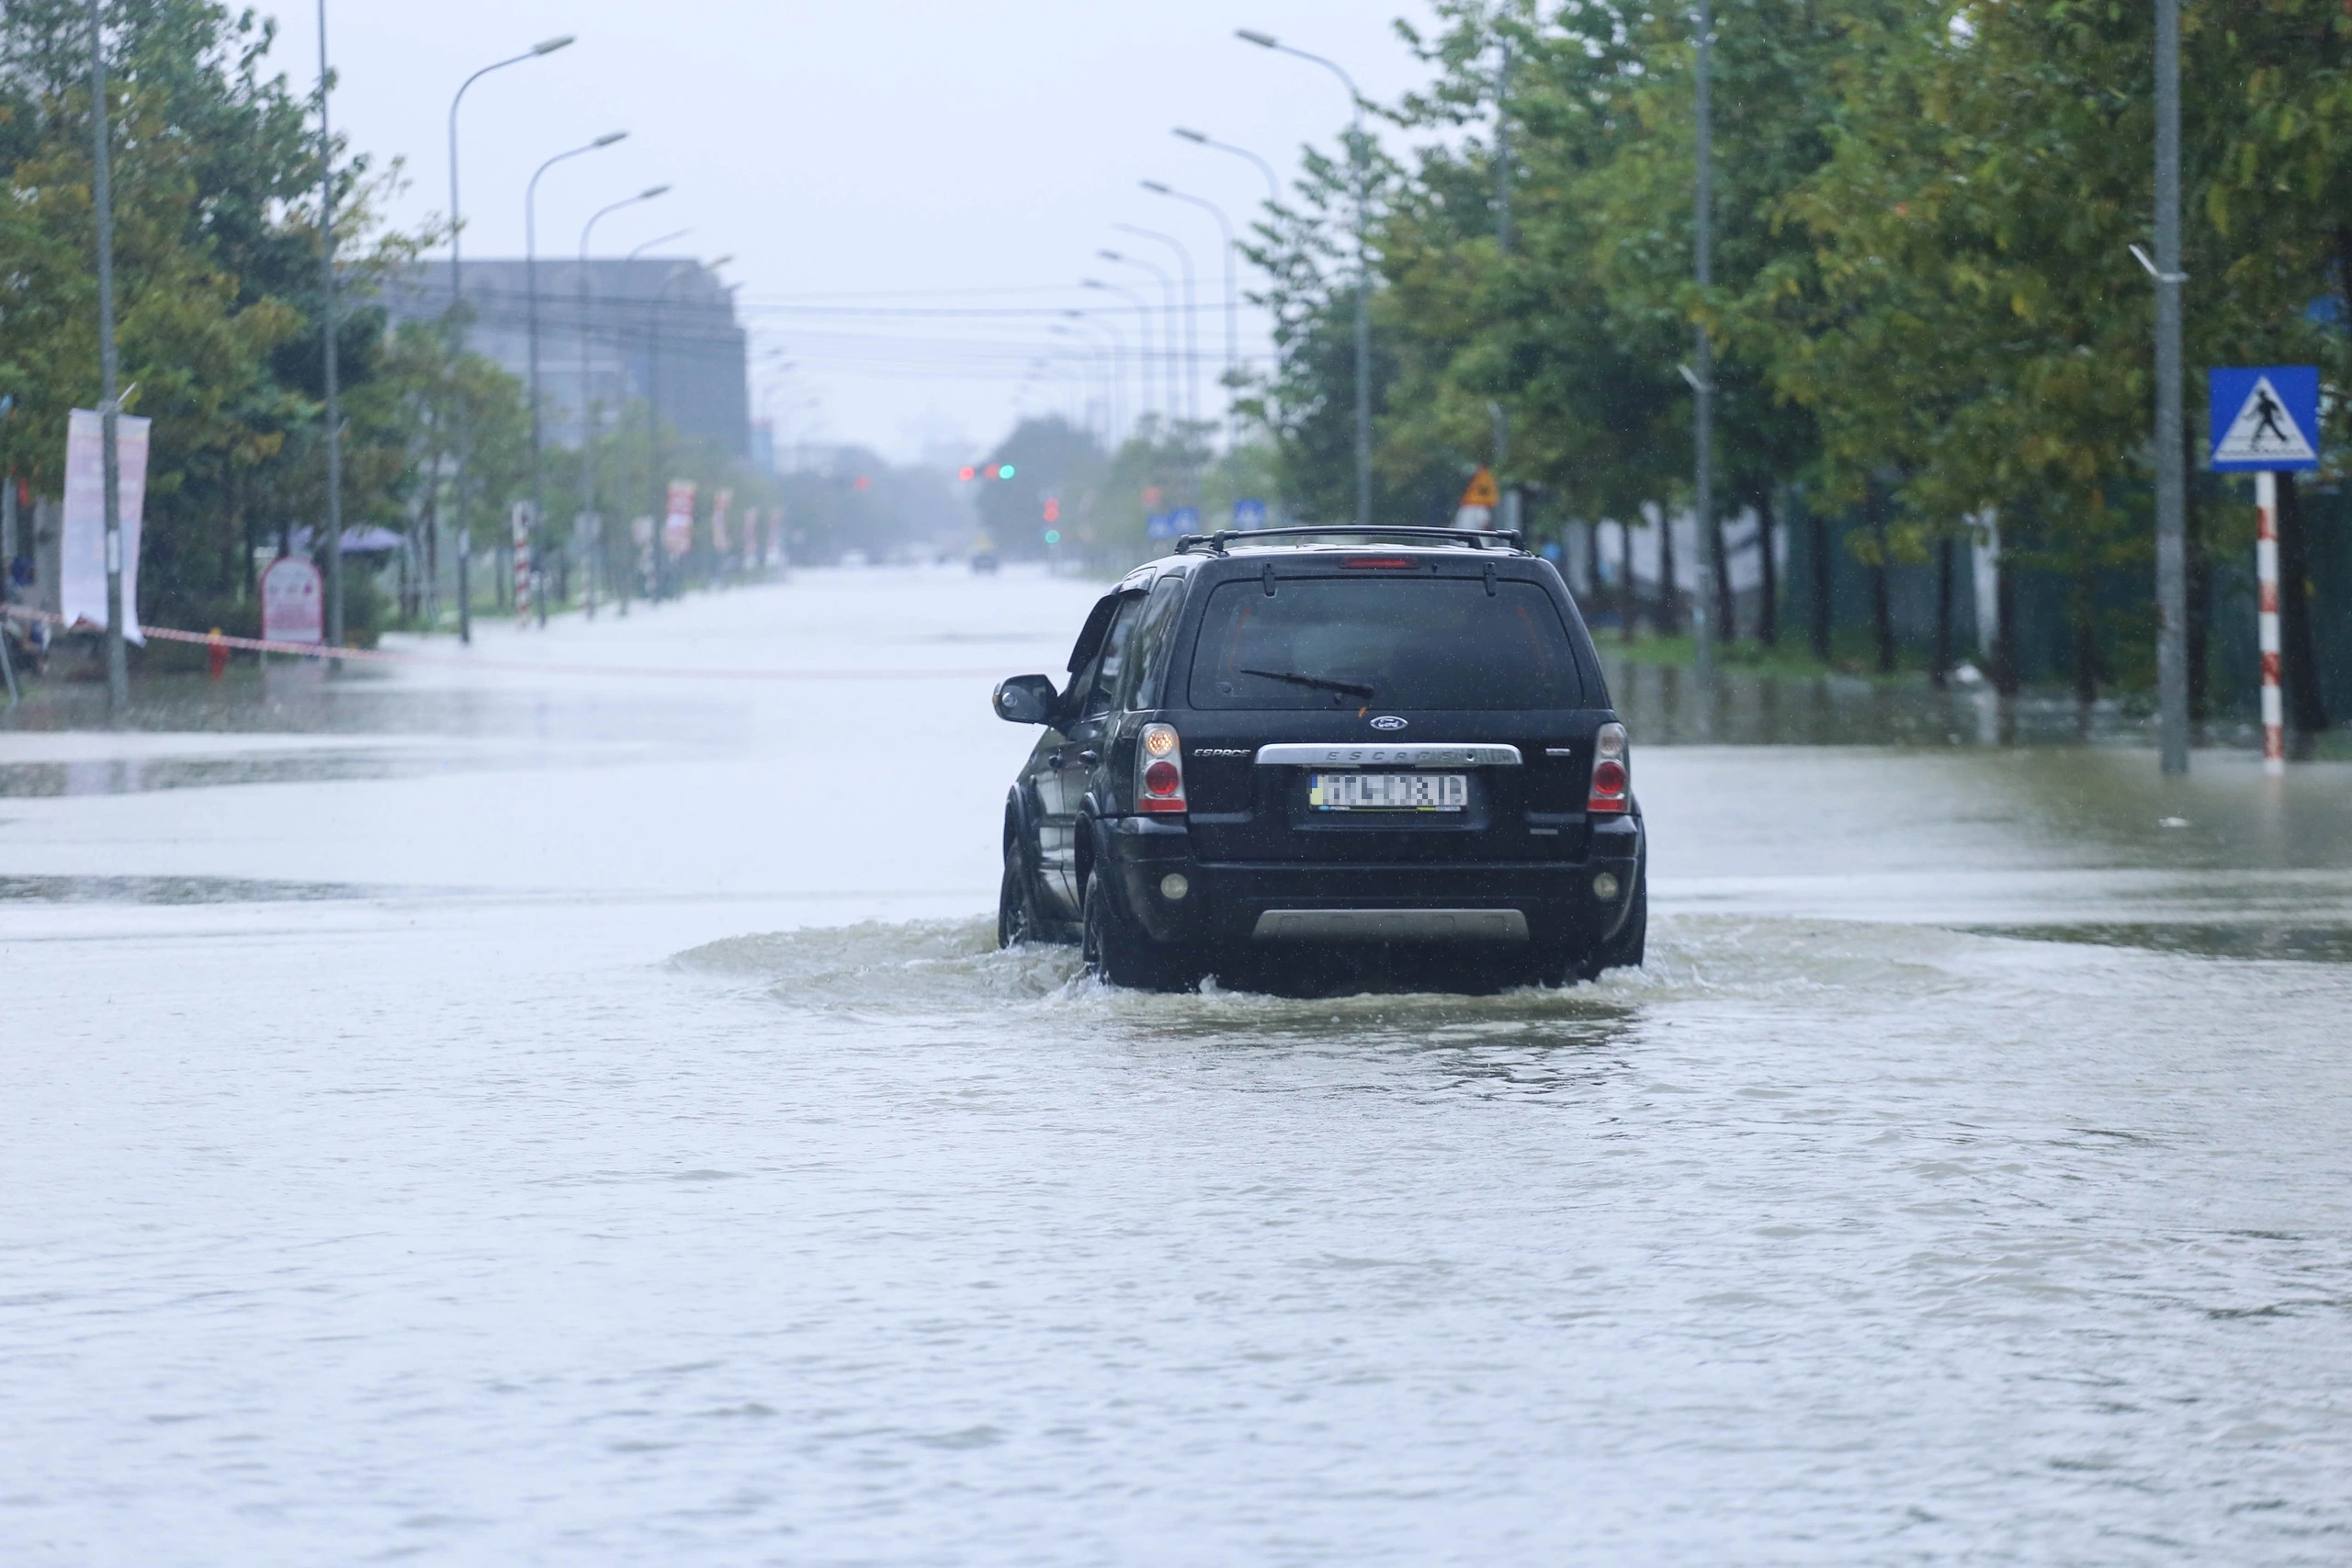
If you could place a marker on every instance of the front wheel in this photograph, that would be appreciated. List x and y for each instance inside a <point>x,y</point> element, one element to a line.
<point>1017,903</point>
<point>1118,953</point>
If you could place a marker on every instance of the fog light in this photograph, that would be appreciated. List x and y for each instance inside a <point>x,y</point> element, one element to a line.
<point>1173,886</point>
<point>1605,886</point>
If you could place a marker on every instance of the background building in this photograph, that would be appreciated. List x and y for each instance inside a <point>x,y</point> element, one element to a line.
<point>604,332</point>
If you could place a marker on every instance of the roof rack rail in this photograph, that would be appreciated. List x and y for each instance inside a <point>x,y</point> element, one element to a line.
<point>1476,539</point>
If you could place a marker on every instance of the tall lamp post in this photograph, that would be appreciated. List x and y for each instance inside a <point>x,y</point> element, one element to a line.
<point>2172,551</point>
<point>1232,336</point>
<point>327,320</point>
<point>457,323</point>
<point>591,420</point>
<point>1170,352</point>
<point>531,299</point>
<point>1118,367</point>
<point>1360,160</point>
<point>653,565</point>
<point>1142,336</point>
<point>1203,139</point>
<point>1702,384</point>
<point>653,405</point>
<point>102,197</point>
<point>1192,350</point>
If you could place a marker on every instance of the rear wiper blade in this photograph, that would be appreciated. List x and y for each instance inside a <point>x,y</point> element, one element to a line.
<point>1352,688</point>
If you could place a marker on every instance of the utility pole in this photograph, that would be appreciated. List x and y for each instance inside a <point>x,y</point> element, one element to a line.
<point>102,197</point>
<point>1503,248</point>
<point>334,393</point>
<point>2172,553</point>
<point>1703,384</point>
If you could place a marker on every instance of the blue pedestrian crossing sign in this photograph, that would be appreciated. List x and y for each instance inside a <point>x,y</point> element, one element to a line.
<point>1248,514</point>
<point>2265,418</point>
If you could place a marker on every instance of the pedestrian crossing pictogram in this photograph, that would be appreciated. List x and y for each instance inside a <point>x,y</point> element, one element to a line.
<point>2266,418</point>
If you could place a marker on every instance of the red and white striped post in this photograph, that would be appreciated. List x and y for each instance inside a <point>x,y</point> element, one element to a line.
<point>519,535</point>
<point>2265,573</point>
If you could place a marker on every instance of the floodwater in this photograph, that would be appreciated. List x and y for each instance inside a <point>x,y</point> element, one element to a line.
<point>473,1116</point>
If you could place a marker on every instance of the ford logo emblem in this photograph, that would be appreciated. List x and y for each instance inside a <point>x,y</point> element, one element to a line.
<point>1389,721</point>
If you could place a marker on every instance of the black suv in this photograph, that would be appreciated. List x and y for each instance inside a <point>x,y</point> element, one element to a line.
<point>1271,752</point>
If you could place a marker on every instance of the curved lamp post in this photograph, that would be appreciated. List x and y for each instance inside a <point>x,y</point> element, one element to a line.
<point>1203,139</point>
<point>1192,349</point>
<point>1357,158</point>
<point>591,421</point>
<point>1225,225</point>
<point>1171,352</point>
<point>1143,333</point>
<point>531,300</point>
<point>457,323</point>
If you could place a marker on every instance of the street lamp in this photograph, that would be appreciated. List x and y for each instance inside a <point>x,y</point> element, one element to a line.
<point>1168,329</point>
<point>1203,139</point>
<point>1232,355</point>
<point>334,377</point>
<point>654,404</point>
<point>531,298</point>
<point>458,323</point>
<point>653,581</point>
<point>1142,336</point>
<point>592,421</point>
<point>1358,156</point>
<point>109,405</point>
<point>1192,352</point>
<point>1118,368</point>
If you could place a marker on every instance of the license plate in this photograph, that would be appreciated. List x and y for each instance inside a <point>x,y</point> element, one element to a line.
<point>1388,792</point>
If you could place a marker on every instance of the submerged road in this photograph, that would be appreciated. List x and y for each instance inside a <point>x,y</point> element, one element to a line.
<point>468,1115</point>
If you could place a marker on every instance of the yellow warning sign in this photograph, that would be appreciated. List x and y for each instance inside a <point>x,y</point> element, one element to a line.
<point>1481,490</point>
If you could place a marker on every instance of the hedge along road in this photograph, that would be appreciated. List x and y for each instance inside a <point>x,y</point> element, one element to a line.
<point>494,1115</point>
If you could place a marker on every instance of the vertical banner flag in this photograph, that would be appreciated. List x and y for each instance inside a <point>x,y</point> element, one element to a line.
<point>82,565</point>
<point>678,528</point>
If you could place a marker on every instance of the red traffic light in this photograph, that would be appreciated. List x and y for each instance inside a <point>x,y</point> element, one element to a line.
<point>1053,510</point>
<point>965,472</point>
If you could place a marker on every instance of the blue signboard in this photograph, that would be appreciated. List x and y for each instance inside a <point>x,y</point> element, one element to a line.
<point>1160,525</point>
<point>1248,514</point>
<point>2266,417</point>
<point>1184,520</point>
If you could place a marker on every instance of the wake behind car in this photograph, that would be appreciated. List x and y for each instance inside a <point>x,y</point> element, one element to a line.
<point>1302,746</point>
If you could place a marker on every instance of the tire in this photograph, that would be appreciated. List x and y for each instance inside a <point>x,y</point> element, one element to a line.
<point>1016,902</point>
<point>1120,954</point>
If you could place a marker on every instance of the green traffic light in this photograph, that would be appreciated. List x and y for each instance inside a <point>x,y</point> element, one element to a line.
<point>1005,472</point>
<point>1053,535</point>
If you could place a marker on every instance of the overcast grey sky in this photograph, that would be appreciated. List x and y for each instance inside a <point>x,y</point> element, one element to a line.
<point>886,149</point>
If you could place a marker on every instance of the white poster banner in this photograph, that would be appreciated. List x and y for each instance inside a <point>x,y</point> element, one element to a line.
<point>81,563</point>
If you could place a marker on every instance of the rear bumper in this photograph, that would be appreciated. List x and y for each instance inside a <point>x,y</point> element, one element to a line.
<point>1230,905</point>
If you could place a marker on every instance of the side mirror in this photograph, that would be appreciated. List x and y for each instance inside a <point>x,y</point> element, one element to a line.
<point>1027,699</point>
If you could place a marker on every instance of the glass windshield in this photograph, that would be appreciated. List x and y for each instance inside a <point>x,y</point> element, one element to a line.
<point>1394,642</point>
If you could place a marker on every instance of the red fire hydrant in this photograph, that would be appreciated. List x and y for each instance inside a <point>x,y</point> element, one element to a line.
<point>217,655</point>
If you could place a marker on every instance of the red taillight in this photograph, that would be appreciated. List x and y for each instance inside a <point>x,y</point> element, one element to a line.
<point>1161,779</point>
<point>1608,775</point>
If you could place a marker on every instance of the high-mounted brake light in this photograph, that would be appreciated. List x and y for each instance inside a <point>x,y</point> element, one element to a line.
<point>1379,563</point>
<point>1611,783</point>
<point>1159,769</point>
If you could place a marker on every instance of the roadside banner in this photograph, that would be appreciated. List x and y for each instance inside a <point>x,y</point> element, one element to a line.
<point>293,601</point>
<point>81,562</point>
<point>718,505</point>
<point>678,526</point>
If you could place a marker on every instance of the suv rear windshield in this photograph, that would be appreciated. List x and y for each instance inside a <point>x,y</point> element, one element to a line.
<point>1416,642</point>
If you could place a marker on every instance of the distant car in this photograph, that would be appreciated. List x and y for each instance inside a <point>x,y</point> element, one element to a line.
<point>1271,751</point>
<point>984,559</point>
